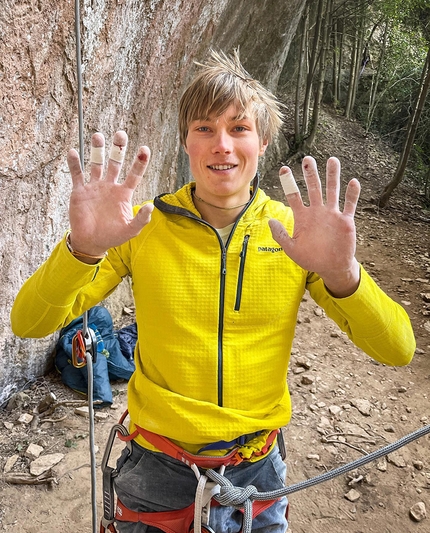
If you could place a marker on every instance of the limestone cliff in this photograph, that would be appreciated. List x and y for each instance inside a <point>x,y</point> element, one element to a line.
<point>137,57</point>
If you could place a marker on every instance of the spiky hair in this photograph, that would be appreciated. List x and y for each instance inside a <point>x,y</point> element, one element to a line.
<point>221,82</point>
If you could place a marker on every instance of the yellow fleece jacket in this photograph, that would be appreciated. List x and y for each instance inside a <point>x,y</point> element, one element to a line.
<point>215,323</point>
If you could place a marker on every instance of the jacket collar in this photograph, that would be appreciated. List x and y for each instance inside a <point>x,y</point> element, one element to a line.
<point>181,202</point>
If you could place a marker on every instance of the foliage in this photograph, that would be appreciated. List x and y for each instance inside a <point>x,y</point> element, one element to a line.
<point>372,65</point>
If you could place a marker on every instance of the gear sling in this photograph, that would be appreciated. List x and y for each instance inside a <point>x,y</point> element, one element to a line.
<point>177,521</point>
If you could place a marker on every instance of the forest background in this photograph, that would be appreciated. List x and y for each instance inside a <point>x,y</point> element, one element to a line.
<point>368,60</point>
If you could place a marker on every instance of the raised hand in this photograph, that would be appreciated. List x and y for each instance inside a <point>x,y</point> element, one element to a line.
<point>100,210</point>
<point>324,238</point>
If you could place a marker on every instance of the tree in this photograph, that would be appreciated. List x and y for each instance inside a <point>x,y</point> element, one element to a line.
<point>410,135</point>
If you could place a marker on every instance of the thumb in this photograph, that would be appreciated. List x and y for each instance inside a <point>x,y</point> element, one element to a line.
<point>142,218</point>
<point>280,234</point>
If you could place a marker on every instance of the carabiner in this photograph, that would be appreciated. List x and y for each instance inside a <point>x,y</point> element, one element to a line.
<point>83,344</point>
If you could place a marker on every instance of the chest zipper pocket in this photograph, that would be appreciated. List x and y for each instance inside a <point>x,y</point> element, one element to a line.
<point>241,273</point>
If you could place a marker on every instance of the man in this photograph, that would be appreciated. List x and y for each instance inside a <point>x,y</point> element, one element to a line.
<point>218,274</point>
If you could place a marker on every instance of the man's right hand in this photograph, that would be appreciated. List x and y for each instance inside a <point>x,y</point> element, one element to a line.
<point>101,211</point>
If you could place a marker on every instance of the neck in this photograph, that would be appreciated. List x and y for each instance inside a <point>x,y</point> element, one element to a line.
<point>217,216</point>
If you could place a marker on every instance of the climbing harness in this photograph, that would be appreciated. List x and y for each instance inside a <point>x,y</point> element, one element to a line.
<point>212,488</point>
<point>191,519</point>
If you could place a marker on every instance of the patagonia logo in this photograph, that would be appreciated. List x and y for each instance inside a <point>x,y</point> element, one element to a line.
<point>270,249</point>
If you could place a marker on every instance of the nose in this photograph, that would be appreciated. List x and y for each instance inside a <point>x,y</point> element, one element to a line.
<point>222,143</point>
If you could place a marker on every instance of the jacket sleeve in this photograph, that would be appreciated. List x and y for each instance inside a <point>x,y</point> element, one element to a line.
<point>370,318</point>
<point>62,289</point>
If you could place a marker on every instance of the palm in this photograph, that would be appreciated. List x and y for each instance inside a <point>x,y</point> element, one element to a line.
<point>101,213</point>
<point>324,239</point>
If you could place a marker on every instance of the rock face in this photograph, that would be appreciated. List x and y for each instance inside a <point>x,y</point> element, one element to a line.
<point>137,58</point>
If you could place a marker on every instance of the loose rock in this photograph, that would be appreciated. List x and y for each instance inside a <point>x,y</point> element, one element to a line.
<point>44,463</point>
<point>418,512</point>
<point>353,495</point>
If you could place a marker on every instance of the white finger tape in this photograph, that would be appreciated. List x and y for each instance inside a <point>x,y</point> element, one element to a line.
<point>288,183</point>
<point>117,153</point>
<point>97,155</point>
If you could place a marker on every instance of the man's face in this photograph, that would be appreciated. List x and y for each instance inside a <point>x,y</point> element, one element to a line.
<point>223,152</point>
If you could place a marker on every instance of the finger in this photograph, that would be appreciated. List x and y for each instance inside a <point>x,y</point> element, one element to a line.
<point>138,168</point>
<point>352,195</point>
<point>333,182</point>
<point>290,188</point>
<point>313,183</point>
<point>280,234</point>
<point>97,158</point>
<point>116,156</point>
<point>74,164</point>
<point>142,218</point>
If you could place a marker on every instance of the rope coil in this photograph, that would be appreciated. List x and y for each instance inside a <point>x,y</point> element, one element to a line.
<point>242,498</point>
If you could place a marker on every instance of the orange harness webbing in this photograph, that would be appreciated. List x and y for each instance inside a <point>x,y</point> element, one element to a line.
<point>179,521</point>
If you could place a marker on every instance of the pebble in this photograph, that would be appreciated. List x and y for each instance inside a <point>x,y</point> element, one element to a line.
<point>307,379</point>
<point>418,512</point>
<point>353,495</point>
<point>33,451</point>
<point>389,429</point>
<point>396,459</point>
<point>381,465</point>
<point>82,411</point>
<point>313,456</point>
<point>402,389</point>
<point>419,465</point>
<point>10,463</point>
<point>44,463</point>
<point>303,362</point>
<point>363,406</point>
<point>25,418</point>
<point>335,409</point>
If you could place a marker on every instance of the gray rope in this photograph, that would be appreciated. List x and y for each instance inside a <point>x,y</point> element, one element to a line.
<point>241,498</point>
<point>89,356</point>
<point>89,359</point>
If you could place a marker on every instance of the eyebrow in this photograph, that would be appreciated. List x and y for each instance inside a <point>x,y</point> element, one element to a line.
<point>234,118</point>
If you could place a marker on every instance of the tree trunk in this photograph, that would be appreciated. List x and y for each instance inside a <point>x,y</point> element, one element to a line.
<point>376,78</point>
<point>300,72</point>
<point>312,68</point>
<point>410,134</point>
<point>335,75</point>
<point>322,70</point>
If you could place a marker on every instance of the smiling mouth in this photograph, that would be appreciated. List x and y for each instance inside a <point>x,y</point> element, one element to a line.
<point>221,167</point>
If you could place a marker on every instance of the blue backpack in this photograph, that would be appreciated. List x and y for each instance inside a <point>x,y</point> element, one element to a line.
<point>112,361</point>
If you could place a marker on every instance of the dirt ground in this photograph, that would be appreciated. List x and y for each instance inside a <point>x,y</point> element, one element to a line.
<point>345,404</point>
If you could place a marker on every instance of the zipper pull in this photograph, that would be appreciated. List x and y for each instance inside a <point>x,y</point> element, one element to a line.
<point>224,262</point>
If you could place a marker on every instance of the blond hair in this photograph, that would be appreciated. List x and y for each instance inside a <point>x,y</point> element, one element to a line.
<point>221,82</point>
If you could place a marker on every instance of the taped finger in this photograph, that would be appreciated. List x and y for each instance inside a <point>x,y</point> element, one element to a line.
<point>97,155</point>
<point>117,152</point>
<point>288,183</point>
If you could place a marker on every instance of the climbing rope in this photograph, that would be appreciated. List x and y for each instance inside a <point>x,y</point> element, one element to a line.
<point>242,498</point>
<point>85,331</point>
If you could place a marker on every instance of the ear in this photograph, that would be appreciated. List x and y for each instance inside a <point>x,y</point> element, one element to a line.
<point>263,147</point>
<point>184,146</point>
